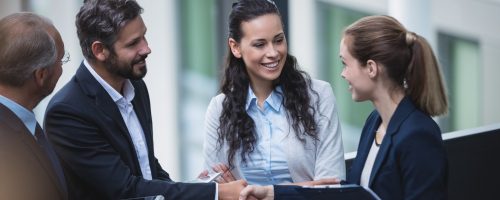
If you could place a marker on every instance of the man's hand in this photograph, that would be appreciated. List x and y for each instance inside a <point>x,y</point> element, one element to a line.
<point>326,181</point>
<point>231,190</point>
<point>257,192</point>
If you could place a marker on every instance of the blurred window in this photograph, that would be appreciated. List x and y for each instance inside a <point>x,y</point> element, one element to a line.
<point>460,62</point>
<point>334,20</point>
<point>198,80</point>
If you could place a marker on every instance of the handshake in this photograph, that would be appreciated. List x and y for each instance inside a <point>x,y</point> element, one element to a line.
<point>230,188</point>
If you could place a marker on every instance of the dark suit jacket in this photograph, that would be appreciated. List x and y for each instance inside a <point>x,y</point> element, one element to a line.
<point>26,172</point>
<point>411,162</point>
<point>291,192</point>
<point>96,149</point>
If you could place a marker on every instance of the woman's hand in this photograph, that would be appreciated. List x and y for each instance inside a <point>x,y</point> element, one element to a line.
<point>226,176</point>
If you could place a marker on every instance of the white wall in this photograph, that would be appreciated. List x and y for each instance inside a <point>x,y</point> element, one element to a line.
<point>161,18</point>
<point>64,21</point>
<point>302,28</point>
<point>7,7</point>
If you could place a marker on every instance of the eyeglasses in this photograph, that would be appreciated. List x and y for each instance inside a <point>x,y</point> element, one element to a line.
<point>66,58</point>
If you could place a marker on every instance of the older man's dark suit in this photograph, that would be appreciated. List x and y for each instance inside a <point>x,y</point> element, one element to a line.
<point>26,172</point>
<point>96,150</point>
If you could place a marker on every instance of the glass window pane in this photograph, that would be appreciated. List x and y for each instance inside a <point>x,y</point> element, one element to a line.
<point>460,59</point>
<point>352,114</point>
<point>198,82</point>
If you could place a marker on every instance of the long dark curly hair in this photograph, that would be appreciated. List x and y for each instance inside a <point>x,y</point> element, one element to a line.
<point>236,127</point>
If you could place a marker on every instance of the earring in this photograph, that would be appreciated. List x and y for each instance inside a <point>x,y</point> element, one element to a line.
<point>405,84</point>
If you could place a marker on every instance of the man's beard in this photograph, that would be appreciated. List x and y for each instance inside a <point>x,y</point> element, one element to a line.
<point>123,69</point>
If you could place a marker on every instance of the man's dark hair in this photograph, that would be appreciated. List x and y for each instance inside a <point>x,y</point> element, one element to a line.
<point>102,20</point>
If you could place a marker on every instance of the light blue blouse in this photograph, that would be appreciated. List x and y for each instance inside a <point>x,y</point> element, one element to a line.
<point>278,147</point>
<point>267,165</point>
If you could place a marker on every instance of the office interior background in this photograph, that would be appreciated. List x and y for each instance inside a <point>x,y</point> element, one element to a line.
<point>188,39</point>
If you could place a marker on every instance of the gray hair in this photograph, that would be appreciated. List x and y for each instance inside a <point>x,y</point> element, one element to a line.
<point>26,45</point>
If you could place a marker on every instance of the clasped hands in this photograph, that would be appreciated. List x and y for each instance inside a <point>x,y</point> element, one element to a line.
<point>230,188</point>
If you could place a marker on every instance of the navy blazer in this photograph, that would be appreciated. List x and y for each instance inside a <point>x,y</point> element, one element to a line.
<point>411,162</point>
<point>96,150</point>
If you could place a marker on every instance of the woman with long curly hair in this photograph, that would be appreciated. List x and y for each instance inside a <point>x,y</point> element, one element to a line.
<point>272,123</point>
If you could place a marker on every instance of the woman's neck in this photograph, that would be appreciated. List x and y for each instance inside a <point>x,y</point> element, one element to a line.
<point>261,91</point>
<point>386,104</point>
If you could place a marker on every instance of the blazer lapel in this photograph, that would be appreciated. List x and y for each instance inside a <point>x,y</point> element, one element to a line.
<point>142,111</point>
<point>22,133</point>
<point>44,161</point>
<point>91,87</point>
<point>404,108</point>
<point>364,148</point>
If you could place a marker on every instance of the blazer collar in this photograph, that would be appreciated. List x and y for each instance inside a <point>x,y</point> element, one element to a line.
<point>22,134</point>
<point>366,140</point>
<point>404,109</point>
<point>26,116</point>
<point>92,88</point>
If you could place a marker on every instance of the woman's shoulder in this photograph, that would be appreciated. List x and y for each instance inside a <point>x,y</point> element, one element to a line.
<point>419,127</point>
<point>320,86</point>
<point>412,119</point>
<point>217,100</point>
<point>219,96</point>
<point>316,83</point>
<point>423,120</point>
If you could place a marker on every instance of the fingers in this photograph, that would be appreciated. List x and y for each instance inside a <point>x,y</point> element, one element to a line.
<point>217,168</point>
<point>244,194</point>
<point>220,168</point>
<point>226,176</point>
<point>257,192</point>
<point>203,174</point>
<point>223,167</point>
<point>231,190</point>
<point>243,182</point>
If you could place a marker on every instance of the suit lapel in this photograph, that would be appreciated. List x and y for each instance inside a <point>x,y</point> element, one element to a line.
<point>22,134</point>
<point>103,101</point>
<point>404,108</point>
<point>44,161</point>
<point>142,111</point>
<point>364,148</point>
